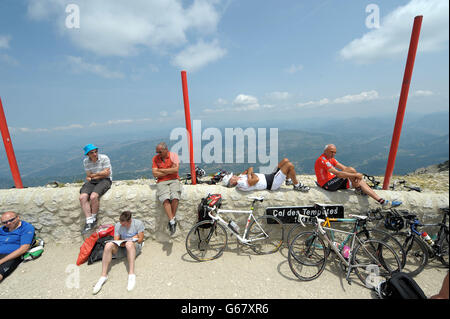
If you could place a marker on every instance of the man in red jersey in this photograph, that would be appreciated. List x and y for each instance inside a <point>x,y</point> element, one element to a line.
<point>332,175</point>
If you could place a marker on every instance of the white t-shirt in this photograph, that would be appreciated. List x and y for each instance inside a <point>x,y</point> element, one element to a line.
<point>242,183</point>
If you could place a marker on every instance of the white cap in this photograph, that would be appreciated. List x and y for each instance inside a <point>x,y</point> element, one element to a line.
<point>226,179</point>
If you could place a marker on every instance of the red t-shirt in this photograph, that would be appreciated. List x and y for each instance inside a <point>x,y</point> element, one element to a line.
<point>321,168</point>
<point>158,162</point>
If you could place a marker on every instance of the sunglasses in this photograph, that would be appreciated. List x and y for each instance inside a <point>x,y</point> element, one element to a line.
<point>9,221</point>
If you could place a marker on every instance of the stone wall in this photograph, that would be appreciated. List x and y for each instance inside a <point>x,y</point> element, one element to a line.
<point>57,216</point>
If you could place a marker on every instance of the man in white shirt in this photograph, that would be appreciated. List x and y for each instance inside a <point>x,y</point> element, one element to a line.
<point>249,180</point>
<point>98,181</point>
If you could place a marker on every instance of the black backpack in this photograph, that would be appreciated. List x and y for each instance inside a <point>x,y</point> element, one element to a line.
<point>209,201</point>
<point>400,286</point>
<point>97,251</point>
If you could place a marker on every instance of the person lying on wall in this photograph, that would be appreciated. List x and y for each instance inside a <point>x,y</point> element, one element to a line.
<point>16,237</point>
<point>249,180</point>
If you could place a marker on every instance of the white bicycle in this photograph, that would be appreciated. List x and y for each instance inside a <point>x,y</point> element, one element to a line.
<point>208,239</point>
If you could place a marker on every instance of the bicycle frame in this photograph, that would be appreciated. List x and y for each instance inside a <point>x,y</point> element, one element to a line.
<point>250,216</point>
<point>321,229</point>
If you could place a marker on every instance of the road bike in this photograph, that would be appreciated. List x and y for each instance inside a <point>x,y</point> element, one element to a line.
<point>363,231</point>
<point>208,239</point>
<point>419,248</point>
<point>372,260</point>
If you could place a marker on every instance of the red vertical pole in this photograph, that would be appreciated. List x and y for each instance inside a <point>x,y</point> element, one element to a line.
<point>403,98</point>
<point>187,115</point>
<point>9,148</point>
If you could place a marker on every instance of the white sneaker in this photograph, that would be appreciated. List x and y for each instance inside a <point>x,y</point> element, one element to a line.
<point>131,282</point>
<point>99,285</point>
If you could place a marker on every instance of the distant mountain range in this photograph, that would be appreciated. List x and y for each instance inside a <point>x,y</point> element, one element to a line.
<point>361,143</point>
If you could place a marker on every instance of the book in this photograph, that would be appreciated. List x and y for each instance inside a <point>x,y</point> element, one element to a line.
<point>121,241</point>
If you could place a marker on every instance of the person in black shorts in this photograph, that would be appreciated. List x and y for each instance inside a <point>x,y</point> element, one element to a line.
<point>333,175</point>
<point>98,181</point>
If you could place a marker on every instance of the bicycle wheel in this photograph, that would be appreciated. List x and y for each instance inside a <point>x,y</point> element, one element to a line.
<point>384,237</point>
<point>307,256</point>
<point>374,261</point>
<point>294,231</point>
<point>206,240</point>
<point>442,253</point>
<point>416,253</point>
<point>266,234</point>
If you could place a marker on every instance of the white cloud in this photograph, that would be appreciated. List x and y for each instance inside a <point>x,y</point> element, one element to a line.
<point>355,98</point>
<point>124,28</point>
<point>80,66</point>
<point>198,55</point>
<point>323,101</point>
<point>279,95</point>
<point>4,41</point>
<point>294,68</point>
<point>361,97</point>
<point>393,37</point>
<point>423,93</point>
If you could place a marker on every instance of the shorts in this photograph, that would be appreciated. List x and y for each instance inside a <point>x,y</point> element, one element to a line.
<point>8,267</point>
<point>275,180</point>
<point>122,251</point>
<point>337,183</point>
<point>99,186</point>
<point>170,189</point>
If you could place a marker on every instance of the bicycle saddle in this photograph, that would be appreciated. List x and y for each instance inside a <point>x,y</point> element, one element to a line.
<point>258,198</point>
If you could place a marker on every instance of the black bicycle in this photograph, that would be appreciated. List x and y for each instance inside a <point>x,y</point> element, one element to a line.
<point>418,246</point>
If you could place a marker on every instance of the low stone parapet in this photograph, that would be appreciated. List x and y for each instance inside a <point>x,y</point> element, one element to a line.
<point>57,215</point>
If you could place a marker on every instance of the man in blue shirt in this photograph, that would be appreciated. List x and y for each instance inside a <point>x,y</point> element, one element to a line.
<point>16,237</point>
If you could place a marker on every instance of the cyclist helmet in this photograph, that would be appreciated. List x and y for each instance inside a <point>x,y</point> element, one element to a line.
<point>394,221</point>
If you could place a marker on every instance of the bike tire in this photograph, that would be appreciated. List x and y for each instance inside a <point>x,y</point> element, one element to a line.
<point>307,256</point>
<point>443,249</point>
<point>376,261</point>
<point>267,233</point>
<point>385,237</point>
<point>206,240</point>
<point>294,231</point>
<point>416,253</point>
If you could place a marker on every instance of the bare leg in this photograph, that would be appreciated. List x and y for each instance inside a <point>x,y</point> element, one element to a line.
<point>85,205</point>
<point>95,203</point>
<point>174,206</point>
<point>288,169</point>
<point>131,256</point>
<point>168,209</point>
<point>110,249</point>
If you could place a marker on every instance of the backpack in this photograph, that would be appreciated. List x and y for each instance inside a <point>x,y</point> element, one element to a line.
<point>36,249</point>
<point>97,251</point>
<point>209,201</point>
<point>400,286</point>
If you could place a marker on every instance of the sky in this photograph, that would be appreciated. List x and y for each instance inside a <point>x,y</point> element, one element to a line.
<point>85,68</point>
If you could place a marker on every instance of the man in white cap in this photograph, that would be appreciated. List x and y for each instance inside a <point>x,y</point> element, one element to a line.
<point>98,181</point>
<point>249,180</point>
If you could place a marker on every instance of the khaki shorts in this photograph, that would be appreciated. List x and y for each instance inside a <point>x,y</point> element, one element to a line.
<point>122,251</point>
<point>168,190</point>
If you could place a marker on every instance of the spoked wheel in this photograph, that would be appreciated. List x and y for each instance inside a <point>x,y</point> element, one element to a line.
<point>374,262</point>
<point>416,253</point>
<point>206,240</point>
<point>442,250</point>
<point>266,234</point>
<point>307,256</point>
